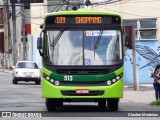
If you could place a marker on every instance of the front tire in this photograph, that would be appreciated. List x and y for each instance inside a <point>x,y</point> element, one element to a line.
<point>51,104</point>
<point>102,103</point>
<point>38,82</point>
<point>14,80</point>
<point>113,104</point>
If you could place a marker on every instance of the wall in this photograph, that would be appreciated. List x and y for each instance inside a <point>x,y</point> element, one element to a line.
<point>33,53</point>
<point>134,9</point>
<point>147,57</point>
<point>37,15</point>
<point>37,58</point>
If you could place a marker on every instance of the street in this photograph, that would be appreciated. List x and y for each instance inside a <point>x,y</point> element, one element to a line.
<point>26,96</point>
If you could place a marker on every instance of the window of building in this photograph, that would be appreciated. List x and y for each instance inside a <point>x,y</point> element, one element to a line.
<point>145,29</point>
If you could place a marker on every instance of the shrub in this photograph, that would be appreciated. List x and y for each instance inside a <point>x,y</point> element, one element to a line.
<point>155,103</point>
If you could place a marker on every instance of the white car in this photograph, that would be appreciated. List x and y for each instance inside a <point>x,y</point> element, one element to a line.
<point>26,71</point>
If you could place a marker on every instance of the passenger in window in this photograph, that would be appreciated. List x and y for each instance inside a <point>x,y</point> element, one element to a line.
<point>156,84</point>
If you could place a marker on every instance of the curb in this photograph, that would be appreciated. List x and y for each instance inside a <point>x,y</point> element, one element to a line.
<point>6,71</point>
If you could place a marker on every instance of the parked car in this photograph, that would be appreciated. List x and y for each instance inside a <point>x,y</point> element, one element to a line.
<point>26,71</point>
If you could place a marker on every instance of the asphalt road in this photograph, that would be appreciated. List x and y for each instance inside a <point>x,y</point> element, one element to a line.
<point>27,97</point>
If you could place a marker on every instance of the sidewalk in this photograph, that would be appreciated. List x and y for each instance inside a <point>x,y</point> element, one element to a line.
<point>6,70</point>
<point>140,87</point>
<point>139,96</point>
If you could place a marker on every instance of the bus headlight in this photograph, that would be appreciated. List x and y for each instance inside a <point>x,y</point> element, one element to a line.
<point>112,81</point>
<point>117,78</point>
<point>48,78</point>
<point>109,82</point>
<point>56,83</point>
<point>52,81</point>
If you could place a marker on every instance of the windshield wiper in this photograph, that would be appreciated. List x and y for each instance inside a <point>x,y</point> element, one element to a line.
<point>57,37</point>
<point>98,39</point>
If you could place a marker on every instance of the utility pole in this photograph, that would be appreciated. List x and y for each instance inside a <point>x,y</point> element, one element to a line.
<point>5,32</point>
<point>14,48</point>
<point>25,12</point>
<point>135,82</point>
<point>24,34</point>
<point>7,35</point>
<point>130,32</point>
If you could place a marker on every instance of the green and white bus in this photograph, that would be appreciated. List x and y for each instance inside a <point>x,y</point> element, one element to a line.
<point>82,54</point>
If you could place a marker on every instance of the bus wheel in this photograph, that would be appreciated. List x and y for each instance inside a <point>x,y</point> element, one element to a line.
<point>102,103</point>
<point>14,81</point>
<point>51,104</point>
<point>38,82</point>
<point>113,104</point>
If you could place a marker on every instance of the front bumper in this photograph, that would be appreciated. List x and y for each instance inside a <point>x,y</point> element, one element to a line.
<point>52,91</point>
<point>27,79</point>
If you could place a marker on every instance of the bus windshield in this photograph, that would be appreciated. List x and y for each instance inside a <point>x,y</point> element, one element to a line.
<point>84,47</point>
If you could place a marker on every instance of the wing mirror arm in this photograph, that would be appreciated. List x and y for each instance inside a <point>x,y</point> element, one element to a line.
<point>39,44</point>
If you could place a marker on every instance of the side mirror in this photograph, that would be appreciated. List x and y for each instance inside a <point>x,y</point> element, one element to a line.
<point>13,67</point>
<point>41,26</point>
<point>39,43</point>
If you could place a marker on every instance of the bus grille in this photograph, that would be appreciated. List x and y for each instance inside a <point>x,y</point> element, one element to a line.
<point>93,83</point>
<point>82,72</point>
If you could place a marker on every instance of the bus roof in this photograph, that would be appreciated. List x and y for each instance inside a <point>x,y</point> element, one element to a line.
<point>83,12</point>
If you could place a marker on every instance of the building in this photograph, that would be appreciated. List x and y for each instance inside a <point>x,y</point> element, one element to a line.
<point>144,17</point>
<point>14,47</point>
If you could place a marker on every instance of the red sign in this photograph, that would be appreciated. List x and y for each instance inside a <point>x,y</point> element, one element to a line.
<point>82,91</point>
<point>28,28</point>
<point>1,42</point>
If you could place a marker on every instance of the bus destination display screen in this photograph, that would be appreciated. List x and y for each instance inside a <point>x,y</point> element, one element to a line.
<point>82,20</point>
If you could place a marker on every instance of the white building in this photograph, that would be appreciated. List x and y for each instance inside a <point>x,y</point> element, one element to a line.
<point>143,15</point>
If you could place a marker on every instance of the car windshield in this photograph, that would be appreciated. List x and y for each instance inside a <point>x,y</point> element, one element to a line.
<point>27,65</point>
<point>84,47</point>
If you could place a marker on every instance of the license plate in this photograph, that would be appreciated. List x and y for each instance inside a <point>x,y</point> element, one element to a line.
<point>29,76</point>
<point>82,91</point>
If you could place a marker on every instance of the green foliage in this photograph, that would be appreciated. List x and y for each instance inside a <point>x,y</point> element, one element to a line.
<point>155,103</point>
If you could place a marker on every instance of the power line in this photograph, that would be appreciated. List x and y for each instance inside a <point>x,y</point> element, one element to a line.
<point>140,1</point>
<point>30,16</point>
<point>120,2</point>
<point>57,5</point>
<point>107,2</point>
<point>35,23</point>
<point>128,13</point>
<point>94,3</point>
<point>100,3</point>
